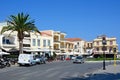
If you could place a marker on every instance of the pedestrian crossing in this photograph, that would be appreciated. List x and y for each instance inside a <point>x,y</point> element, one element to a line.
<point>45,74</point>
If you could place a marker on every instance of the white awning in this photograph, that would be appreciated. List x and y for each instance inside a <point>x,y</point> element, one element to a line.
<point>32,50</point>
<point>10,49</point>
<point>60,53</point>
<point>4,53</point>
<point>36,50</point>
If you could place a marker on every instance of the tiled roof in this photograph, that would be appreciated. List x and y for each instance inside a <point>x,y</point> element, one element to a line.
<point>44,33</point>
<point>73,39</point>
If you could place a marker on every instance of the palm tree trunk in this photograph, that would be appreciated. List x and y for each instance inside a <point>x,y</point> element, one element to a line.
<point>21,47</point>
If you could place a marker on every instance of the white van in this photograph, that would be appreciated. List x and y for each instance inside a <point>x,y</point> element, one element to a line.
<point>28,59</point>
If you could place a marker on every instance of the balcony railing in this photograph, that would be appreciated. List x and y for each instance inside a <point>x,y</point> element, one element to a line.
<point>62,39</point>
<point>56,49</point>
<point>26,42</point>
<point>9,45</point>
<point>57,41</point>
<point>62,46</point>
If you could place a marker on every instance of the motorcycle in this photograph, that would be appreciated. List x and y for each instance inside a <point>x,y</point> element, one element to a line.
<point>4,63</point>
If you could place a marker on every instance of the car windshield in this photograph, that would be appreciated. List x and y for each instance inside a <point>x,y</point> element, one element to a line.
<point>37,56</point>
<point>79,57</point>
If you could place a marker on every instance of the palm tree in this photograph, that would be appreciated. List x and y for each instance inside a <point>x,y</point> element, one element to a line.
<point>20,23</point>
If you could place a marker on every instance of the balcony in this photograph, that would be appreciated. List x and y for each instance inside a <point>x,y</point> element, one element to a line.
<point>62,40</point>
<point>57,42</point>
<point>8,42</point>
<point>26,41</point>
<point>9,45</point>
<point>27,38</point>
<point>62,46</point>
<point>57,50</point>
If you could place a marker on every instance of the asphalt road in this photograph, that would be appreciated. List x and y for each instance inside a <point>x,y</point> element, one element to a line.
<point>51,71</point>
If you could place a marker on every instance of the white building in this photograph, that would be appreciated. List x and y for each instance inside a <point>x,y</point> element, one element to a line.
<point>32,42</point>
<point>8,42</point>
<point>79,46</point>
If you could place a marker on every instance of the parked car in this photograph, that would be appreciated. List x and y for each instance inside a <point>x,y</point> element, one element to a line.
<point>28,59</point>
<point>78,59</point>
<point>40,59</point>
<point>43,60</point>
<point>73,57</point>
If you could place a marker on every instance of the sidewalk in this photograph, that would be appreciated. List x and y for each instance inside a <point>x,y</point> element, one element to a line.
<point>111,73</point>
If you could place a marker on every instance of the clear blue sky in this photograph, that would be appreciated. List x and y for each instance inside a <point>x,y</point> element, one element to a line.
<point>85,19</point>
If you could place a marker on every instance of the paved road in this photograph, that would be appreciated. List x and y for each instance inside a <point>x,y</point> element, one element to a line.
<point>50,71</point>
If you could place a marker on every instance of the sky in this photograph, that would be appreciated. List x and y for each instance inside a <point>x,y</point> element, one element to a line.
<point>85,19</point>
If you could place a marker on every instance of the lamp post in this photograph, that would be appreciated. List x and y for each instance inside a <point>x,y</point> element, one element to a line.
<point>114,50</point>
<point>104,49</point>
<point>50,50</point>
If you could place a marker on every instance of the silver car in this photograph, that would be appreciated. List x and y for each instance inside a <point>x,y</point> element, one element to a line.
<point>79,59</point>
<point>40,60</point>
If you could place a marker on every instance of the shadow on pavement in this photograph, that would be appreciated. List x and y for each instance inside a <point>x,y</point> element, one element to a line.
<point>104,76</point>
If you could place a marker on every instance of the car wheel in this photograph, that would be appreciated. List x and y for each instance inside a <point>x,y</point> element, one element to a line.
<point>20,65</point>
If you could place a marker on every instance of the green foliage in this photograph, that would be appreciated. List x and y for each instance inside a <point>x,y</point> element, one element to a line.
<point>20,23</point>
<point>100,59</point>
<point>12,56</point>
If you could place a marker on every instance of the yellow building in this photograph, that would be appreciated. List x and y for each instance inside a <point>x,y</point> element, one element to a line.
<point>110,44</point>
<point>60,45</point>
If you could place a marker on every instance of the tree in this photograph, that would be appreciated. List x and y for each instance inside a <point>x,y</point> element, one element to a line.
<point>20,23</point>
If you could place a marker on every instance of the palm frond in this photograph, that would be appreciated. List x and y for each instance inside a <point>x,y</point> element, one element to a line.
<point>6,28</point>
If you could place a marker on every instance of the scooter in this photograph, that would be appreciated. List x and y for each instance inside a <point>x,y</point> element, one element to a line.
<point>2,64</point>
<point>7,63</point>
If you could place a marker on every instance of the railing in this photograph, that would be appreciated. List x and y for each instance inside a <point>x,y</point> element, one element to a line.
<point>62,39</point>
<point>56,41</point>
<point>62,46</point>
<point>56,49</point>
<point>26,41</point>
<point>9,45</point>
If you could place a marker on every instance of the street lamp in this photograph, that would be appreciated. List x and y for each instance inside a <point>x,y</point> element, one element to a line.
<point>104,49</point>
<point>114,50</point>
<point>50,50</point>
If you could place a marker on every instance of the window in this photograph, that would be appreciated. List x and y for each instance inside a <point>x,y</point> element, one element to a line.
<point>75,46</point>
<point>97,49</point>
<point>110,49</point>
<point>111,42</point>
<point>34,42</point>
<point>48,42</point>
<point>38,41</point>
<point>4,40</point>
<point>44,43</point>
<point>97,43</point>
<point>88,45</point>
